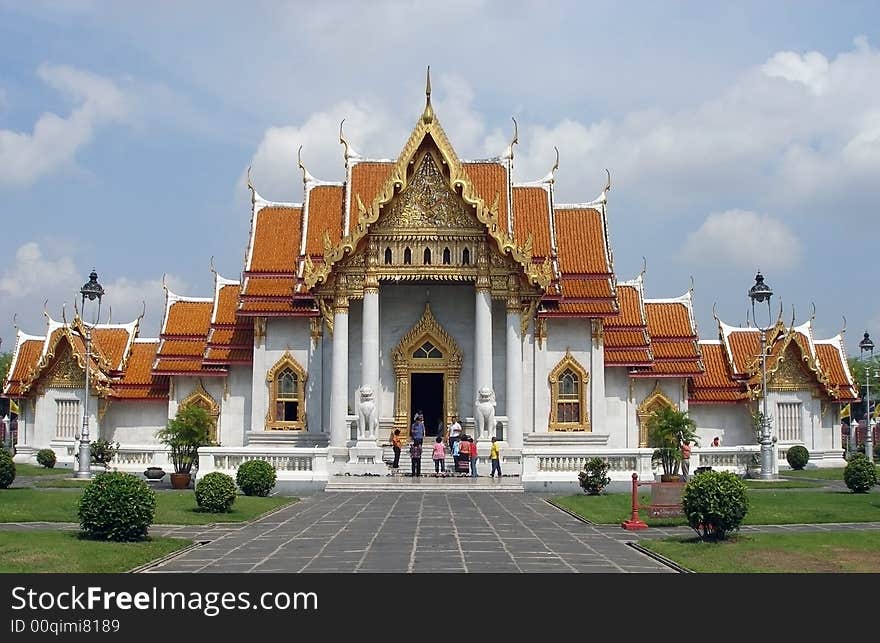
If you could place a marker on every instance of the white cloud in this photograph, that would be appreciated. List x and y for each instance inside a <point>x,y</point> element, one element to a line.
<point>55,140</point>
<point>48,272</point>
<point>743,239</point>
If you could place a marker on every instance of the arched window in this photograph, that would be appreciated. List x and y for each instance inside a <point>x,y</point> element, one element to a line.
<point>286,381</point>
<point>466,257</point>
<point>427,351</point>
<point>427,257</point>
<point>446,256</point>
<point>387,256</point>
<point>568,382</point>
<point>201,398</point>
<point>407,256</point>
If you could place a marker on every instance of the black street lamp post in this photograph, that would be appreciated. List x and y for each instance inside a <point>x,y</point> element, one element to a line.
<point>867,346</point>
<point>91,290</point>
<point>762,293</point>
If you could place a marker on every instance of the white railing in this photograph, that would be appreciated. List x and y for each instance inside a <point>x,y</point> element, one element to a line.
<point>291,463</point>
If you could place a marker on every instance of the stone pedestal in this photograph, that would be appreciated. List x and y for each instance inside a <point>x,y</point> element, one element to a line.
<point>365,457</point>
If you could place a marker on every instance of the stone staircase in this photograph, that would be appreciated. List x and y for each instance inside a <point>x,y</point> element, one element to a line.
<point>402,481</point>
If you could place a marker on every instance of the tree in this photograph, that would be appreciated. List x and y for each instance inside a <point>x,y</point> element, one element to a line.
<point>5,364</point>
<point>668,428</point>
<point>858,369</point>
<point>189,430</point>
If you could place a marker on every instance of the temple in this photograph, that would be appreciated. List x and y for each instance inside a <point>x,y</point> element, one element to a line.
<point>437,284</point>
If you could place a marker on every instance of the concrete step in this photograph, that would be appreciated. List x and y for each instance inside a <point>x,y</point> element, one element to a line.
<point>425,483</point>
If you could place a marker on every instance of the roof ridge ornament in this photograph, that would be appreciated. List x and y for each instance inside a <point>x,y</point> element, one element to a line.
<point>551,175</point>
<point>307,177</point>
<point>350,152</point>
<point>15,321</point>
<point>843,330</point>
<point>250,186</point>
<point>109,314</point>
<point>813,313</point>
<point>46,312</point>
<point>211,266</point>
<point>428,114</point>
<point>508,154</point>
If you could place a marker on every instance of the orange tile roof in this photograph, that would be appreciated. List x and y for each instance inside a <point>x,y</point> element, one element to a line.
<point>325,214</point>
<point>367,179</point>
<point>228,355</point>
<point>25,359</point>
<point>630,309</point>
<point>618,357</point>
<point>489,180</point>
<point>531,209</point>
<point>237,336</point>
<point>676,368</point>
<point>269,287</point>
<point>137,381</point>
<point>833,366</point>
<point>227,302</point>
<point>745,348</point>
<point>251,307</point>
<point>668,319</point>
<point>625,339</point>
<point>166,366</point>
<point>580,236</point>
<point>674,350</point>
<point>586,289</point>
<point>191,318</point>
<point>716,384</point>
<point>112,342</point>
<point>574,309</point>
<point>276,239</point>
<point>181,347</point>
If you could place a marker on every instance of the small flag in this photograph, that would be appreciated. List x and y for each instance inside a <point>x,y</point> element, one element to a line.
<point>844,412</point>
<point>13,407</point>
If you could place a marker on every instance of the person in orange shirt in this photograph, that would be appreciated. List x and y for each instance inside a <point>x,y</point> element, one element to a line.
<point>395,444</point>
<point>464,456</point>
<point>685,460</point>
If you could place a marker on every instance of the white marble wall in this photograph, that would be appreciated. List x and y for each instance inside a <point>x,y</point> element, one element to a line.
<point>134,421</point>
<point>619,422</point>
<point>732,423</point>
<point>235,406</point>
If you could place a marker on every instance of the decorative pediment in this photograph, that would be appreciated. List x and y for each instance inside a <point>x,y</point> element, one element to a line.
<point>652,403</point>
<point>202,399</point>
<point>427,140</point>
<point>426,345</point>
<point>427,205</point>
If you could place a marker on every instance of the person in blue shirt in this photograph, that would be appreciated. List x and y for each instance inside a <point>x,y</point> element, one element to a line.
<point>417,431</point>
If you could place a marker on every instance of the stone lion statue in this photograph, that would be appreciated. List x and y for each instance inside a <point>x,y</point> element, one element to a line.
<point>368,418</point>
<point>484,412</point>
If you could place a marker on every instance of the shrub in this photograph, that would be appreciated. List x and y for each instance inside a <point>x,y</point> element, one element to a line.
<point>594,478</point>
<point>103,451</point>
<point>715,503</point>
<point>255,478</point>
<point>797,457</point>
<point>116,506</point>
<point>860,474</point>
<point>7,469</point>
<point>46,457</point>
<point>215,492</point>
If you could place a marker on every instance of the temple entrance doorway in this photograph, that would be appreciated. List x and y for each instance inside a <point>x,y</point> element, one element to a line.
<point>427,397</point>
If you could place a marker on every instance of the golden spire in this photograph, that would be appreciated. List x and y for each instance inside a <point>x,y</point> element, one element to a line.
<point>428,114</point>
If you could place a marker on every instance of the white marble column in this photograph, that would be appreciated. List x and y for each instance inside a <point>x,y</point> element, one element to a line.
<point>515,422</point>
<point>370,349</point>
<point>597,379</point>
<point>483,346</point>
<point>339,431</point>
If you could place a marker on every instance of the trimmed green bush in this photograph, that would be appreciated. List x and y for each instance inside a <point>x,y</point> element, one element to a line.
<point>116,506</point>
<point>7,469</point>
<point>715,503</point>
<point>216,492</point>
<point>46,457</point>
<point>797,457</point>
<point>103,451</point>
<point>860,474</point>
<point>255,478</point>
<point>593,479</point>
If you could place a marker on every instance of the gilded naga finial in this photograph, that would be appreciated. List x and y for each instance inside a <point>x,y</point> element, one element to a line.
<point>428,114</point>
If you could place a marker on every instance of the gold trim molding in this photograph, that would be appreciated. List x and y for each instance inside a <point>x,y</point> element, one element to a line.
<point>654,401</point>
<point>201,398</point>
<point>428,329</point>
<point>568,362</point>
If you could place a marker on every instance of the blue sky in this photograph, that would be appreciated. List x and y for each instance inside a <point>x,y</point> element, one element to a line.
<point>738,136</point>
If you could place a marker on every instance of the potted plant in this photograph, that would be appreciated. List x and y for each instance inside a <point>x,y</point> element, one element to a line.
<point>594,477</point>
<point>189,430</point>
<point>668,429</point>
<point>102,452</point>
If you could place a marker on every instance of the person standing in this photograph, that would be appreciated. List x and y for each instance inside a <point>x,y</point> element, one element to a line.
<point>439,456</point>
<point>415,456</point>
<point>495,458</point>
<point>473,453</point>
<point>716,442</point>
<point>454,431</point>
<point>464,456</point>
<point>685,460</point>
<point>417,431</point>
<point>395,444</point>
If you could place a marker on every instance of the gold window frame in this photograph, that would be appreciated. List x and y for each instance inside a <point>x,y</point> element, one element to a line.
<point>273,423</point>
<point>583,422</point>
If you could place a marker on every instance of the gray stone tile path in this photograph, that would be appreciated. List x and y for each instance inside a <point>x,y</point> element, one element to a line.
<point>420,533</point>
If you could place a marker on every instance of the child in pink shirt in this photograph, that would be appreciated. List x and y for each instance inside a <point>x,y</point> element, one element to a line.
<point>439,456</point>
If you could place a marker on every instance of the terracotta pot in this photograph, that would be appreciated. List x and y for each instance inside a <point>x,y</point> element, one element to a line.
<point>670,477</point>
<point>180,480</point>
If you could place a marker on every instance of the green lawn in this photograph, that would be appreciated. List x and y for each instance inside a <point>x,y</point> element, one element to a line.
<point>769,507</point>
<point>29,470</point>
<point>757,484</point>
<point>815,474</point>
<point>172,507</point>
<point>61,483</point>
<point>826,552</point>
<point>65,552</point>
